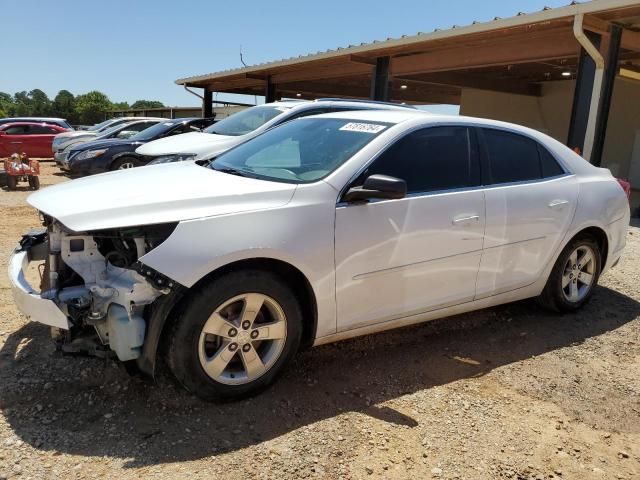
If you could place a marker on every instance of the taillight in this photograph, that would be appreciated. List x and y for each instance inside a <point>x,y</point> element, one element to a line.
<point>626,186</point>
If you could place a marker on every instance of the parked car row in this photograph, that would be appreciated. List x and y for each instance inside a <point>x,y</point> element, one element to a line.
<point>108,153</point>
<point>295,224</point>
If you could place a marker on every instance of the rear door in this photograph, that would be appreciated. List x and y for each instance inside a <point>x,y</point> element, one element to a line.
<point>40,140</point>
<point>530,202</point>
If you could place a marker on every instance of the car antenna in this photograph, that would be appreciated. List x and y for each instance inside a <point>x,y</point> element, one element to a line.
<point>255,97</point>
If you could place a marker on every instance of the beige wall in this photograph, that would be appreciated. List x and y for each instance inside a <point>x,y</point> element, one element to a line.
<point>624,123</point>
<point>549,113</point>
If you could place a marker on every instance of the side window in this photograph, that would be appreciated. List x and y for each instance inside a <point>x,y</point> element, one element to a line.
<point>550,166</point>
<point>512,157</point>
<point>515,158</point>
<point>432,159</point>
<point>42,130</point>
<point>141,126</point>
<point>17,130</point>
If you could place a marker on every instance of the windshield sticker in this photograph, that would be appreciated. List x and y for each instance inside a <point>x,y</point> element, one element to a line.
<point>363,127</point>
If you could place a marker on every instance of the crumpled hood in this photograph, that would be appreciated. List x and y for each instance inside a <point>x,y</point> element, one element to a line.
<point>202,144</point>
<point>156,194</point>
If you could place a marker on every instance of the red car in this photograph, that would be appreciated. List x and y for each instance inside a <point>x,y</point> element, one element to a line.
<point>32,138</point>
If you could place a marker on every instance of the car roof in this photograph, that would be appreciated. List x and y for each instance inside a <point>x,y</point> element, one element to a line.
<point>115,119</point>
<point>9,124</point>
<point>385,116</point>
<point>356,103</point>
<point>34,119</point>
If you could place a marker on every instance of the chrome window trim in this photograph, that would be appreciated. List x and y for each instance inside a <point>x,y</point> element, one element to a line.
<point>393,141</point>
<point>433,193</point>
<point>567,173</point>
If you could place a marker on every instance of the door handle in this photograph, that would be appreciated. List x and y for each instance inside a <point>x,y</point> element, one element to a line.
<point>458,221</point>
<point>558,203</point>
<point>20,143</point>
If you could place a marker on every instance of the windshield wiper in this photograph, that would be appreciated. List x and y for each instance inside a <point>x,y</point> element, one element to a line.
<point>232,171</point>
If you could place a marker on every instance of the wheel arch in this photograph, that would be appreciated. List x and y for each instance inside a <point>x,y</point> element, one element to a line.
<point>121,155</point>
<point>160,315</point>
<point>600,236</point>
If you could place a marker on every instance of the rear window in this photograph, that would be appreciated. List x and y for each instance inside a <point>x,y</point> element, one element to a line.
<point>516,158</point>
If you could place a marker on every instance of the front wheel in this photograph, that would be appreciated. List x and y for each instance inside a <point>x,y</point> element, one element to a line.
<point>12,182</point>
<point>235,335</point>
<point>574,276</point>
<point>125,163</point>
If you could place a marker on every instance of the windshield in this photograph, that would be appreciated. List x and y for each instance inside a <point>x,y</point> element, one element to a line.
<point>300,151</point>
<point>153,132</point>
<point>245,121</point>
<point>99,126</point>
<point>110,131</point>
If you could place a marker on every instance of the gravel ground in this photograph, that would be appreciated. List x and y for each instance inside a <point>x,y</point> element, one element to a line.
<point>511,392</point>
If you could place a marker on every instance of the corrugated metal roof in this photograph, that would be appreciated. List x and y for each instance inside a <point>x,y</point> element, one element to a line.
<point>520,19</point>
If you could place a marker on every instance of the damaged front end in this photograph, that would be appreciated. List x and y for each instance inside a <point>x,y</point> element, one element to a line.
<point>94,289</point>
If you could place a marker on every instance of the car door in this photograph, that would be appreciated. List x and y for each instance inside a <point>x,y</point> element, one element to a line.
<point>40,140</point>
<point>396,258</point>
<point>15,139</point>
<point>530,202</point>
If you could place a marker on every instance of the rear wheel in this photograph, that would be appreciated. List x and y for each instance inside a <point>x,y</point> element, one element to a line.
<point>574,276</point>
<point>12,182</point>
<point>235,335</point>
<point>125,163</point>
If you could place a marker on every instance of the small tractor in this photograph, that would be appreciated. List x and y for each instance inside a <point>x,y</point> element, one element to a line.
<point>19,168</point>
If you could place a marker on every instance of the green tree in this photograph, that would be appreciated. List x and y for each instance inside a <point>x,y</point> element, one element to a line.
<point>22,104</point>
<point>120,106</point>
<point>6,105</point>
<point>92,107</point>
<point>147,104</point>
<point>64,106</point>
<point>40,103</point>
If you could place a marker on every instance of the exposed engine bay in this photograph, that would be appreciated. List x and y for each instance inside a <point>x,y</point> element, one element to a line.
<point>96,279</point>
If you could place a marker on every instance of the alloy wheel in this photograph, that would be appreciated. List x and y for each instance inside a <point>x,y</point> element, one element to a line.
<point>578,275</point>
<point>242,339</point>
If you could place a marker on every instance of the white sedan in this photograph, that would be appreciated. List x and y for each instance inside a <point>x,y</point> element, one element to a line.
<point>322,229</point>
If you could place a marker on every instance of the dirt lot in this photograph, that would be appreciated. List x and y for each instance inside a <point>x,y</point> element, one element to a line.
<point>511,392</point>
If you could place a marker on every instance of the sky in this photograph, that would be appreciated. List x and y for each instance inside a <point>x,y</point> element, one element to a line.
<point>136,49</point>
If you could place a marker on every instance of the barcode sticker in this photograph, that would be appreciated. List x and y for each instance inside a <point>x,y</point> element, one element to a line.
<point>363,127</point>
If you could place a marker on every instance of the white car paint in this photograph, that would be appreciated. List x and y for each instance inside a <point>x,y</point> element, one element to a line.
<point>198,143</point>
<point>206,145</point>
<point>367,264</point>
<point>115,200</point>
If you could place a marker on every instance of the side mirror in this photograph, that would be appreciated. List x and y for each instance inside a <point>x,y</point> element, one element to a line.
<point>378,186</point>
<point>2,132</point>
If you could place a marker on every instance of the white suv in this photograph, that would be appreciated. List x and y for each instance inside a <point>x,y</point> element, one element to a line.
<point>324,228</point>
<point>241,126</point>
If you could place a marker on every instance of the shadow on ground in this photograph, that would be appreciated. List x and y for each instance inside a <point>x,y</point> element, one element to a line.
<point>87,406</point>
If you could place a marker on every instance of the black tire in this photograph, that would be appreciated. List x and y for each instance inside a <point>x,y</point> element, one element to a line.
<point>120,163</point>
<point>34,182</point>
<point>12,182</point>
<point>552,296</point>
<point>184,334</point>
